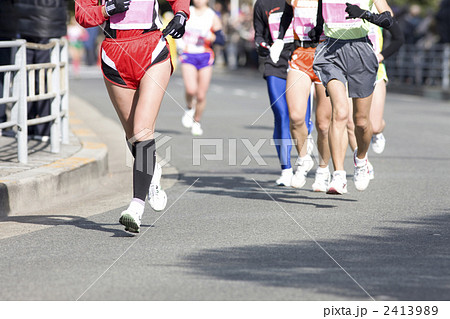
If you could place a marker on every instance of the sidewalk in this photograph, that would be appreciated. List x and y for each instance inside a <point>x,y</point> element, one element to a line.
<point>47,177</point>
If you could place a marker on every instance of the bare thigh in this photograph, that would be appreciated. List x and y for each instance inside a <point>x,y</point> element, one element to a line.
<point>138,109</point>
<point>298,88</point>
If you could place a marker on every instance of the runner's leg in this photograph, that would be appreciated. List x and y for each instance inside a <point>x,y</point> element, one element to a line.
<point>190,79</point>
<point>338,141</point>
<point>281,133</point>
<point>203,80</point>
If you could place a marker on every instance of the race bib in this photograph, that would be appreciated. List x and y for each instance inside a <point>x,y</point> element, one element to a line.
<point>274,26</point>
<point>335,16</point>
<point>305,17</point>
<point>138,16</point>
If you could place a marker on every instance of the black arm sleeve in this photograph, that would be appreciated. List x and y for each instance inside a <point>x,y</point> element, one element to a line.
<point>320,20</point>
<point>397,40</point>
<point>286,20</point>
<point>259,24</point>
<point>384,20</point>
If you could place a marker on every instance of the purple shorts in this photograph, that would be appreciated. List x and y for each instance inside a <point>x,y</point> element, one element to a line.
<point>199,60</point>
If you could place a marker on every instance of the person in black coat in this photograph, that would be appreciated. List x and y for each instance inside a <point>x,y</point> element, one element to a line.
<point>443,21</point>
<point>8,32</point>
<point>38,21</point>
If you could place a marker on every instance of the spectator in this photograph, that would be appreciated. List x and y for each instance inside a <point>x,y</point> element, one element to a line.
<point>426,32</point>
<point>38,22</point>
<point>8,32</point>
<point>77,36</point>
<point>410,22</point>
<point>90,46</point>
<point>443,21</point>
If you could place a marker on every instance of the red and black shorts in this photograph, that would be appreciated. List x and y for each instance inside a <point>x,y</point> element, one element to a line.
<point>125,61</point>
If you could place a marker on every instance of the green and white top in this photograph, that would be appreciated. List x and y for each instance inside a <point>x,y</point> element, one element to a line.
<point>337,26</point>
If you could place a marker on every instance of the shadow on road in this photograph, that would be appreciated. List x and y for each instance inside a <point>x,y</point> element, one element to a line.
<point>77,221</point>
<point>239,187</point>
<point>408,262</point>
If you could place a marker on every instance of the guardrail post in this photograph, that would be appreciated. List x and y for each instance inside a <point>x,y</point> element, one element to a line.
<point>20,91</point>
<point>446,68</point>
<point>55,128</point>
<point>64,67</point>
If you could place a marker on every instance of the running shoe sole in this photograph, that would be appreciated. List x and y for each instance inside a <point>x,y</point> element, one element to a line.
<point>282,184</point>
<point>319,190</point>
<point>130,224</point>
<point>298,185</point>
<point>333,191</point>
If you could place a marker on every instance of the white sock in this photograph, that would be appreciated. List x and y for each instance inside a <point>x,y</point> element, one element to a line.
<point>301,160</point>
<point>137,205</point>
<point>323,169</point>
<point>360,162</point>
<point>286,171</point>
<point>340,173</point>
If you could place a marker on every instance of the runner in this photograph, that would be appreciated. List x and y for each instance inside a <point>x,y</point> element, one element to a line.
<point>136,67</point>
<point>347,58</point>
<point>202,31</point>
<point>266,20</point>
<point>299,80</point>
<point>379,95</point>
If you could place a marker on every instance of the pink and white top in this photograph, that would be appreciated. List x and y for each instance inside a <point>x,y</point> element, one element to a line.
<point>305,18</point>
<point>376,37</point>
<point>274,27</point>
<point>198,35</point>
<point>142,14</point>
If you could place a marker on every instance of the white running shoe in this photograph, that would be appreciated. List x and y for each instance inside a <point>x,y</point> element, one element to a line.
<point>378,143</point>
<point>304,166</point>
<point>361,175</point>
<point>285,178</point>
<point>188,118</point>
<point>196,129</point>
<point>131,220</point>
<point>157,197</point>
<point>371,172</point>
<point>338,184</point>
<point>322,180</point>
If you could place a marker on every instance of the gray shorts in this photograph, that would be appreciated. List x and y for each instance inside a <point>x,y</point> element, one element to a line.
<point>350,61</point>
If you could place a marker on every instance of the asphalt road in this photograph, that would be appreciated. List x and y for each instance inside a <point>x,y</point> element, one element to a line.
<point>228,232</point>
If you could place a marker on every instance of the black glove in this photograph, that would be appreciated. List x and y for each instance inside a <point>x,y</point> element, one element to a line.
<point>355,12</point>
<point>175,28</point>
<point>315,33</point>
<point>262,49</point>
<point>116,6</point>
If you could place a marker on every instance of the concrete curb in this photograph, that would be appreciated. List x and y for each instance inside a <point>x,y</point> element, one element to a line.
<point>43,186</point>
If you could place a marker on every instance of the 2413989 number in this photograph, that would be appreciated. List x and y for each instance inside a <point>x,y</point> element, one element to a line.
<point>411,310</point>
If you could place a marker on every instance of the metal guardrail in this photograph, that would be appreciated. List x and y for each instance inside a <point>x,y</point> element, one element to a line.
<point>416,67</point>
<point>19,88</point>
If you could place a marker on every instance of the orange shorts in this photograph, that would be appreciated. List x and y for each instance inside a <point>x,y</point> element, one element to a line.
<point>302,59</point>
<point>125,61</point>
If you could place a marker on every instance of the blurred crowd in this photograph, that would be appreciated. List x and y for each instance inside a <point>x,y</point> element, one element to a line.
<point>239,50</point>
<point>422,27</point>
